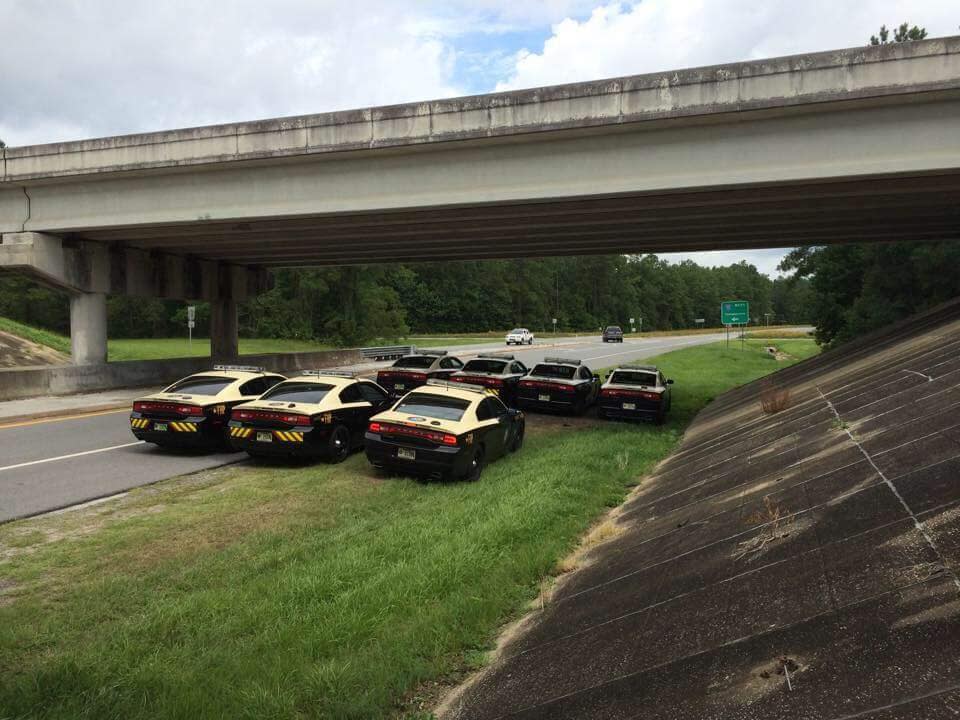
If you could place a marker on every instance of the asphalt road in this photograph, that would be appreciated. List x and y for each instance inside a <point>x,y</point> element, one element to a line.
<point>49,464</point>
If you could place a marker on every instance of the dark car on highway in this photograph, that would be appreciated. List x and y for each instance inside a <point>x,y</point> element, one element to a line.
<point>613,333</point>
<point>412,371</point>
<point>320,414</point>
<point>444,430</point>
<point>193,412</point>
<point>633,392</point>
<point>558,384</point>
<point>500,373</point>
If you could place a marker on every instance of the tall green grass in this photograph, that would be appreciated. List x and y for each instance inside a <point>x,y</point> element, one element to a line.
<point>310,592</point>
<point>37,335</point>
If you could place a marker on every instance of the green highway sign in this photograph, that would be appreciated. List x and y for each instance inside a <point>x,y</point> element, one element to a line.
<point>734,312</point>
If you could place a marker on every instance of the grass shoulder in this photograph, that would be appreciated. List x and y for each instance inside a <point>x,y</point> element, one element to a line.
<point>312,591</point>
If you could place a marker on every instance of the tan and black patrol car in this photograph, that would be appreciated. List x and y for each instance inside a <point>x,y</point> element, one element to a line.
<point>500,373</point>
<point>634,392</point>
<point>318,414</point>
<point>193,412</point>
<point>412,371</point>
<point>444,430</point>
<point>558,384</point>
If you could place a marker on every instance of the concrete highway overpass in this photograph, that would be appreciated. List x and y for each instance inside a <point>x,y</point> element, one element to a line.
<point>843,146</point>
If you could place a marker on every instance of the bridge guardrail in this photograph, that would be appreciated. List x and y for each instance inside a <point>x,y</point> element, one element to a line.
<point>387,352</point>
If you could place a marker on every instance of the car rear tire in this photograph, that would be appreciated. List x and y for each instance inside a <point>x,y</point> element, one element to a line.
<point>518,438</point>
<point>477,463</point>
<point>338,445</point>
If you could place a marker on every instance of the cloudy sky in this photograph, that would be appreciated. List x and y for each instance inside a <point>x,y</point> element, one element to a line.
<point>73,69</point>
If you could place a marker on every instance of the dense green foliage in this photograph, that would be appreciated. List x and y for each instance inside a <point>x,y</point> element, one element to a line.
<point>311,592</point>
<point>859,288</point>
<point>351,305</point>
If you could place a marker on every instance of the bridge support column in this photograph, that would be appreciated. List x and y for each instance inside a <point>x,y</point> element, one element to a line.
<point>224,338</point>
<point>88,328</point>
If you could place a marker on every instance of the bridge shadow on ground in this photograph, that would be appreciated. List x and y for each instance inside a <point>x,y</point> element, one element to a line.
<point>801,563</point>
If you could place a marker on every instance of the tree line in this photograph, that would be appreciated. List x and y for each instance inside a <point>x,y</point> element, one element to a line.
<point>357,304</point>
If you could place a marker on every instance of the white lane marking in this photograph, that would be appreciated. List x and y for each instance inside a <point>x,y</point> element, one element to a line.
<point>72,455</point>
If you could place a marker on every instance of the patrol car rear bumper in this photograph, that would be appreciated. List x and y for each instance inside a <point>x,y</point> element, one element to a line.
<point>557,403</point>
<point>439,461</point>
<point>644,410</point>
<point>303,441</point>
<point>181,433</point>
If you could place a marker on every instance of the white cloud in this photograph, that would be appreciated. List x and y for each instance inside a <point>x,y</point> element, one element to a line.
<point>117,66</point>
<point>77,69</point>
<point>657,35</point>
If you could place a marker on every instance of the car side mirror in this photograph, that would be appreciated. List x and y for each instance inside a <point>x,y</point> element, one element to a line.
<point>669,382</point>
<point>596,377</point>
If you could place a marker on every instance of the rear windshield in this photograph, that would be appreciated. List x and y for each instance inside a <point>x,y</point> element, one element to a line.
<point>565,372</point>
<point>485,366</point>
<point>614,328</point>
<point>630,377</point>
<point>298,392</point>
<point>200,385</point>
<point>415,361</point>
<point>433,406</point>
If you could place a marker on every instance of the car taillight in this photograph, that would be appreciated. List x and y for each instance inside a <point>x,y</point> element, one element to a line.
<point>391,429</point>
<point>290,419</point>
<point>457,379</point>
<point>146,406</point>
<point>630,394</point>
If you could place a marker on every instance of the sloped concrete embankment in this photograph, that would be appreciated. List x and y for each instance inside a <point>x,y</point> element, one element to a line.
<point>796,564</point>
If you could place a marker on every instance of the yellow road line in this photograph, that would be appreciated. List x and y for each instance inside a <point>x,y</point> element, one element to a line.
<point>62,418</point>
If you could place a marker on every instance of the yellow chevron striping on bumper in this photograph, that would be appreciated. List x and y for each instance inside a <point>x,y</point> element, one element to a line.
<point>183,427</point>
<point>288,436</point>
<point>240,432</point>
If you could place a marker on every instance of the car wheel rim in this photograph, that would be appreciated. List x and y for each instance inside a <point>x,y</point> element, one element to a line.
<point>340,446</point>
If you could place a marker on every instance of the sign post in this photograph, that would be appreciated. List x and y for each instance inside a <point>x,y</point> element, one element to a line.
<point>191,323</point>
<point>554,326</point>
<point>632,328</point>
<point>734,312</point>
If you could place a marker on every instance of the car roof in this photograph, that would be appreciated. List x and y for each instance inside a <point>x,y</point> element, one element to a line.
<point>447,390</point>
<point>645,368</point>
<point>323,378</point>
<point>572,362</point>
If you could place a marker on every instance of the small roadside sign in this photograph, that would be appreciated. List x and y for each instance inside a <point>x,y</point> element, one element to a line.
<point>191,323</point>
<point>734,312</point>
<point>700,321</point>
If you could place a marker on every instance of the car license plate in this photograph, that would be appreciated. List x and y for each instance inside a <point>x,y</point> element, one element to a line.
<point>629,406</point>
<point>264,437</point>
<point>544,398</point>
<point>399,386</point>
<point>406,454</point>
<point>160,427</point>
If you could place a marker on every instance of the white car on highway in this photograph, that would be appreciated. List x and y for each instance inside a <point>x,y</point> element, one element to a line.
<point>520,336</point>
